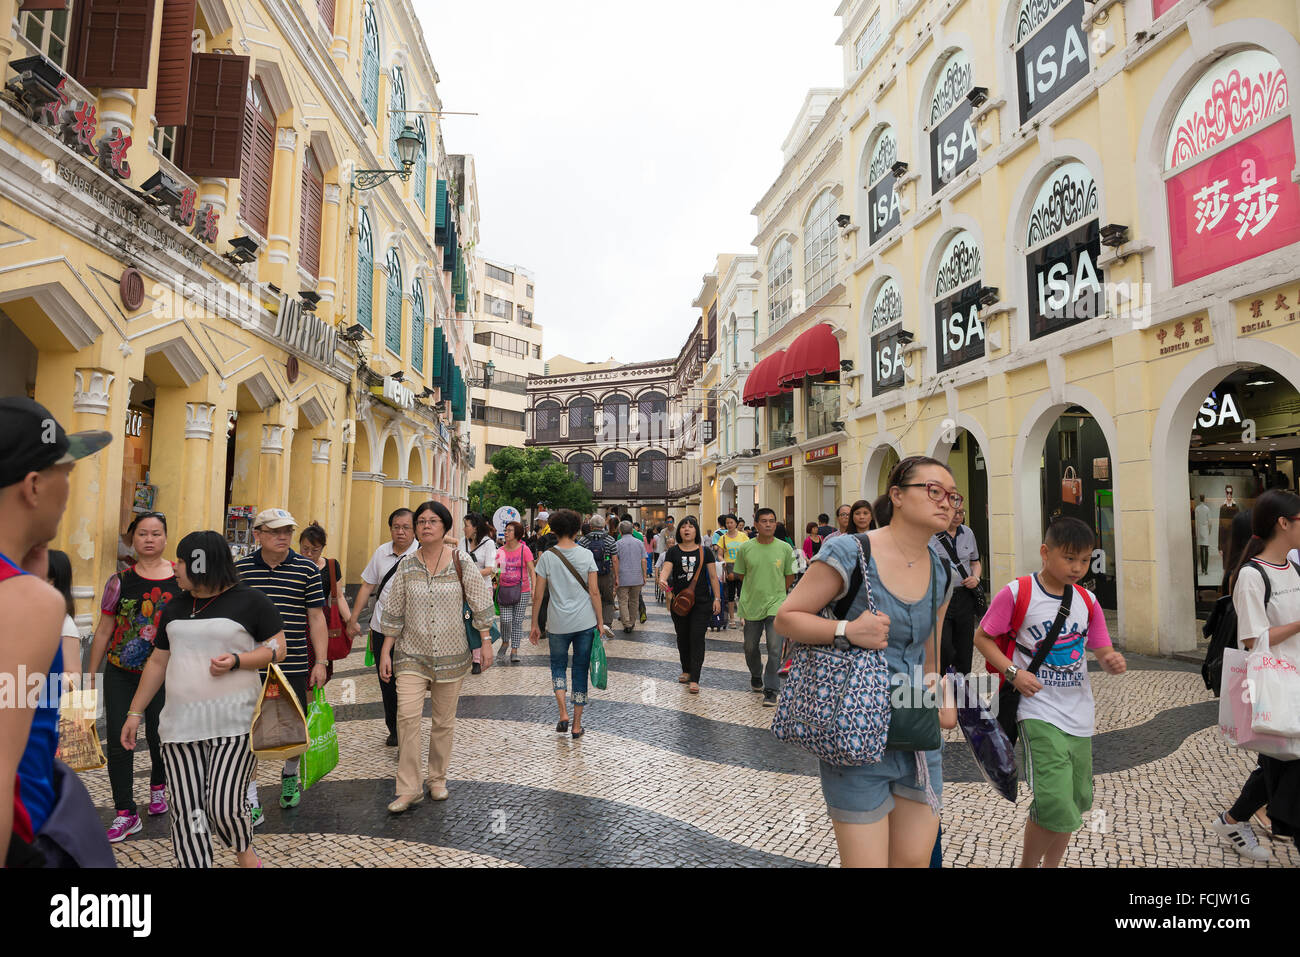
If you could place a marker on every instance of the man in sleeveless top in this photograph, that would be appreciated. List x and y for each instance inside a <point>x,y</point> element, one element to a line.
<point>37,460</point>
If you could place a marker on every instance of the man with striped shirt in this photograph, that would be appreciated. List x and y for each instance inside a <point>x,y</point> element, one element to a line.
<point>293,584</point>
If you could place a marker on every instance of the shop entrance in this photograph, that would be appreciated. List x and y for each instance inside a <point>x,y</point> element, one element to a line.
<point>886,467</point>
<point>966,460</point>
<point>139,494</point>
<point>1076,483</point>
<point>1245,440</point>
<point>17,360</point>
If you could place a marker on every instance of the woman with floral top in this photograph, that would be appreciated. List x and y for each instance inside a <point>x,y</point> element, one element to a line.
<point>426,648</point>
<point>132,604</point>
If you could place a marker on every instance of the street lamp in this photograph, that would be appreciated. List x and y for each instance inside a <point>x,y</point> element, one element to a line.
<point>409,145</point>
<point>489,371</point>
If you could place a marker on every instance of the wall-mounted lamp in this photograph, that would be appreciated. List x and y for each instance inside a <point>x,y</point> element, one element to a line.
<point>846,365</point>
<point>978,95</point>
<point>398,376</point>
<point>988,296</point>
<point>37,84</point>
<point>899,169</point>
<point>843,220</point>
<point>905,337</point>
<point>837,426</point>
<point>161,190</point>
<point>1114,235</point>
<point>310,300</point>
<point>353,333</point>
<point>426,394</point>
<point>408,145</point>
<point>489,371</point>
<point>243,249</point>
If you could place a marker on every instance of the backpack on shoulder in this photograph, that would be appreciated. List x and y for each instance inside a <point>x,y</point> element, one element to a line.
<point>600,551</point>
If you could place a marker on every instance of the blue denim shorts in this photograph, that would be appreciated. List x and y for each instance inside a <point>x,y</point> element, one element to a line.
<point>865,794</point>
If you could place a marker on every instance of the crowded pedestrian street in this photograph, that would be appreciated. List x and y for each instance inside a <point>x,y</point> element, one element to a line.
<point>668,779</point>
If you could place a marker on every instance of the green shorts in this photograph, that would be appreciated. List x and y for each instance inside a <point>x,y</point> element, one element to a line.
<point>1058,769</point>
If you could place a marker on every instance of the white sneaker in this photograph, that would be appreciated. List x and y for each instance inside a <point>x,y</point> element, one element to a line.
<point>1242,838</point>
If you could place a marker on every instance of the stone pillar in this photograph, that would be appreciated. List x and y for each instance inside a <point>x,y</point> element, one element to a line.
<point>284,204</point>
<point>273,466</point>
<point>8,13</point>
<point>321,481</point>
<point>331,249</point>
<point>366,528</point>
<point>177,462</point>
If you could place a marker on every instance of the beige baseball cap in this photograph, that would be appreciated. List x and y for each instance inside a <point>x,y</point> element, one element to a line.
<point>271,518</point>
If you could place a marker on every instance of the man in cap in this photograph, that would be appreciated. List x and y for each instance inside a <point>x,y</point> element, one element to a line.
<point>293,584</point>
<point>36,459</point>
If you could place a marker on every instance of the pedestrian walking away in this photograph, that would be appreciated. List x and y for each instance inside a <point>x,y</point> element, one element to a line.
<point>567,573</point>
<point>765,565</point>
<point>957,544</point>
<point>130,608</point>
<point>293,584</point>
<point>1055,716</point>
<point>481,546</point>
<point>690,568</point>
<point>427,649</point>
<point>211,642</point>
<point>1265,589</point>
<point>376,577</point>
<point>515,565</point>
<point>338,615</point>
<point>604,549</point>
<point>887,813</point>
<point>631,577</point>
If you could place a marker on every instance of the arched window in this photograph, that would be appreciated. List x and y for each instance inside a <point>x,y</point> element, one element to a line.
<point>883,211</point>
<point>780,280</point>
<point>1062,245</point>
<point>397,110</point>
<point>582,419</point>
<point>421,171</point>
<point>1227,167</point>
<point>1051,52</point>
<point>819,243</point>
<point>583,467</point>
<point>417,325</point>
<point>258,160</point>
<point>365,271</point>
<point>953,147</point>
<point>653,414</point>
<point>614,468</point>
<point>393,304</point>
<point>615,419</point>
<point>370,63</point>
<point>546,422</point>
<point>958,329</point>
<point>887,338</point>
<point>652,474</point>
<point>309,215</point>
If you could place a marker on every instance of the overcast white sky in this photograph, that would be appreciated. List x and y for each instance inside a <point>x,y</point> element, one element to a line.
<point>621,147</point>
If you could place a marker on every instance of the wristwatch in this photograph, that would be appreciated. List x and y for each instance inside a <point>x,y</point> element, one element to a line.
<point>236,657</point>
<point>841,641</point>
<point>1011,673</point>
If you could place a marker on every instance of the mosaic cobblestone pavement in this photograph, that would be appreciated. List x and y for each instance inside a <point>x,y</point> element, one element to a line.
<point>666,778</point>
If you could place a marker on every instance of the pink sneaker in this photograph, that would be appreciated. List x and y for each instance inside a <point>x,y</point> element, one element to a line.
<point>124,825</point>
<point>158,799</point>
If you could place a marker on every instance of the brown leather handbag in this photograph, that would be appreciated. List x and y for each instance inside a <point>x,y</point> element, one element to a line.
<point>684,600</point>
<point>1071,487</point>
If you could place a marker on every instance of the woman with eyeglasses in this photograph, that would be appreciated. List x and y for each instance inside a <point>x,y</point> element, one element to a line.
<point>886,814</point>
<point>130,609</point>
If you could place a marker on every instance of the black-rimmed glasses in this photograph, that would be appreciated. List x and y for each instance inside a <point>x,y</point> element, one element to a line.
<point>938,493</point>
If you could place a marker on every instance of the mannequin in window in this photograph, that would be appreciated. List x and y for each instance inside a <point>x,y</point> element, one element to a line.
<point>1227,512</point>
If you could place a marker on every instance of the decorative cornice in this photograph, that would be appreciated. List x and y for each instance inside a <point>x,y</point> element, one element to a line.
<point>320,451</point>
<point>273,439</point>
<point>91,395</point>
<point>198,420</point>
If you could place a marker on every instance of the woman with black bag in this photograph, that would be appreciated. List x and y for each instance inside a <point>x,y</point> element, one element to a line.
<point>696,597</point>
<point>957,544</point>
<point>886,813</point>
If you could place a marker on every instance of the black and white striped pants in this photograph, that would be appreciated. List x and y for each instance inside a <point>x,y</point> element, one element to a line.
<point>209,793</point>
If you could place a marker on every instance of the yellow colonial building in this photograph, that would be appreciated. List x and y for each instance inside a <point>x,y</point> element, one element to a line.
<point>1073,261</point>
<point>200,260</point>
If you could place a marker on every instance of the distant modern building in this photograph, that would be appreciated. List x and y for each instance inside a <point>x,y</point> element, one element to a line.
<point>505,336</point>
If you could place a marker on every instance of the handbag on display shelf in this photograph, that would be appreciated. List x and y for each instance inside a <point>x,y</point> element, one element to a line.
<point>1071,487</point>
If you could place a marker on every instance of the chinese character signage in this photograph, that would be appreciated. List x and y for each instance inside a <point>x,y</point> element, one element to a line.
<point>781,463</point>
<point>816,455</point>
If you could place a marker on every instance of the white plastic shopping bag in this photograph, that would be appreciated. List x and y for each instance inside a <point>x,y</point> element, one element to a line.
<point>1275,683</point>
<point>1235,707</point>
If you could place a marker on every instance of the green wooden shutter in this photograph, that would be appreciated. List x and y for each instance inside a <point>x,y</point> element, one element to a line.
<point>365,274</point>
<point>417,327</point>
<point>440,213</point>
<point>439,349</point>
<point>370,64</point>
<point>393,310</point>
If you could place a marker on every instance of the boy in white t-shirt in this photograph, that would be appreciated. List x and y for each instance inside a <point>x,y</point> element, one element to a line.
<point>1056,713</point>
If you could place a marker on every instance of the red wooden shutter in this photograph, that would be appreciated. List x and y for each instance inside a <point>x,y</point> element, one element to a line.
<point>255,173</point>
<point>43,5</point>
<point>172,103</point>
<point>326,8</point>
<point>111,41</point>
<point>313,194</point>
<point>214,125</point>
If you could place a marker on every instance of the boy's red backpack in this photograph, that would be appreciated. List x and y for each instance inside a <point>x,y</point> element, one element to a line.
<point>1007,643</point>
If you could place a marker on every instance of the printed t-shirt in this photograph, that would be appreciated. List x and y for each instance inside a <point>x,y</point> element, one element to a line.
<point>1066,699</point>
<point>764,568</point>
<point>1283,605</point>
<point>136,604</point>
<point>294,587</point>
<point>682,569</point>
<point>514,567</point>
<point>731,545</point>
<point>570,603</point>
<point>195,631</point>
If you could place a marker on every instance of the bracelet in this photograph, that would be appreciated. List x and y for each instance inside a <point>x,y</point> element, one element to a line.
<point>237,664</point>
<point>135,714</point>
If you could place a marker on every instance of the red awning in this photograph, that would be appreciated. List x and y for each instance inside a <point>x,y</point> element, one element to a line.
<point>761,384</point>
<point>814,352</point>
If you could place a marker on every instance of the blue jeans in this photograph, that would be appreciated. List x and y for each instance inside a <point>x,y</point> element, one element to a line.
<point>559,644</point>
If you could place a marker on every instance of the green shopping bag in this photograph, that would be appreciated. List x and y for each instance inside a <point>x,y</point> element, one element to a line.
<point>322,754</point>
<point>370,654</point>
<point>599,669</point>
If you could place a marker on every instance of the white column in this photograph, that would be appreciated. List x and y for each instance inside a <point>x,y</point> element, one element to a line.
<point>198,420</point>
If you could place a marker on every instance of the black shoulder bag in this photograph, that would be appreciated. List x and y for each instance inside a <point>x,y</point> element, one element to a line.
<point>1008,696</point>
<point>977,593</point>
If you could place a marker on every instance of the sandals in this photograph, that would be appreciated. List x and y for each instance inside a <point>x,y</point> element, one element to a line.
<point>562,727</point>
<point>683,678</point>
<point>694,688</point>
<point>579,733</point>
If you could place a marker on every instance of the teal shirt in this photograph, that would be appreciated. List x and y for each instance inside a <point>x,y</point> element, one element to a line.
<point>764,568</point>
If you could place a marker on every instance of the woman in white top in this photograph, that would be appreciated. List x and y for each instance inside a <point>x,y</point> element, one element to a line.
<point>60,577</point>
<point>210,645</point>
<point>1275,520</point>
<point>482,547</point>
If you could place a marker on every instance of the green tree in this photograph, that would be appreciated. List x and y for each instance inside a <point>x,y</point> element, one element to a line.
<point>524,477</point>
